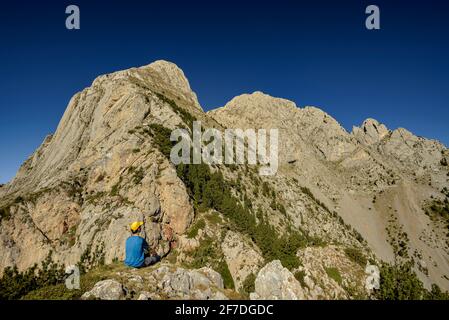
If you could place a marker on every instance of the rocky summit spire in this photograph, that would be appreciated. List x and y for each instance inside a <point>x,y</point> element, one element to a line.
<point>370,132</point>
<point>174,77</point>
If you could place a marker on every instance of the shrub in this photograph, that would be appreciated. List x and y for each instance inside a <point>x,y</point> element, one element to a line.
<point>223,269</point>
<point>356,255</point>
<point>115,189</point>
<point>214,218</point>
<point>300,275</point>
<point>139,174</point>
<point>161,137</point>
<point>5,213</point>
<point>281,209</point>
<point>18,199</point>
<point>248,285</point>
<point>15,284</point>
<point>399,283</point>
<point>91,258</point>
<point>186,117</point>
<point>435,293</point>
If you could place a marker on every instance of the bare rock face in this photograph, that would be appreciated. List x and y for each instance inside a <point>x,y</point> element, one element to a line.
<point>371,132</point>
<point>360,176</point>
<point>174,77</point>
<point>241,258</point>
<point>258,110</point>
<point>85,184</point>
<point>274,282</point>
<point>180,283</point>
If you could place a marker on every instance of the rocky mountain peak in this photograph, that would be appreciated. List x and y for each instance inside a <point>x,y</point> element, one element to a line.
<point>370,132</point>
<point>171,74</point>
<point>259,101</point>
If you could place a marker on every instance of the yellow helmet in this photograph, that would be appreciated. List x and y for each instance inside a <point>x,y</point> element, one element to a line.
<point>136,225</point>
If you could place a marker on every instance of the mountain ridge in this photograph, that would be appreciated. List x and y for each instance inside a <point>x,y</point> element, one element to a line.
<point>106,165</point>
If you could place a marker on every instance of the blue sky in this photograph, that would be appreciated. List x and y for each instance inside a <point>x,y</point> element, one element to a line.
<point>312,52</point>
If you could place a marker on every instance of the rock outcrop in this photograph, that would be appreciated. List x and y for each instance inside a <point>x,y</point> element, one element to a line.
<point>274,282</point>
<point>164,282</point>
<point>105,290</point>
<point>241,258</point>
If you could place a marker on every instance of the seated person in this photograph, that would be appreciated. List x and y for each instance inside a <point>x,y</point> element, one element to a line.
<point>137,249</point>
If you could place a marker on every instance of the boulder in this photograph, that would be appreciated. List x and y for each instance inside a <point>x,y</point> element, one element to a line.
<point>274,282</point>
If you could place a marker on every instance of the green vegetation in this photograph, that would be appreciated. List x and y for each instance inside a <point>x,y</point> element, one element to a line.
<point>161,137</point>
<point>309,193</point>
<point>87,281</point>
<point>356,256</point>
<point>209,190</point>
<point>435,293</point>
<point>248,285</point>
<point>210,254</point>
<point>186,117</point>
<point>69,237</point>
<point>46,281</point>
<point>115,190</point>
<point>439,209</point>
<point>300,275</point>
<point>91,258</point>
<point>193,231</point>
<point>14,284</point>
<point>5,213</point>
<point>95,197</point>
<point>334,274</point>
<point>399,283</point>
<point>138,175</point>
<point>214,218</point>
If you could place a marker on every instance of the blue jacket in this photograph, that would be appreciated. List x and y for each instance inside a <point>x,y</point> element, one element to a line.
<point>135,251</point>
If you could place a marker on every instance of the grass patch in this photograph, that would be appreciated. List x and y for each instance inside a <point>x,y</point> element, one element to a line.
<point>334,274</point>
<point>193,231</point>
<point>214,218</point>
